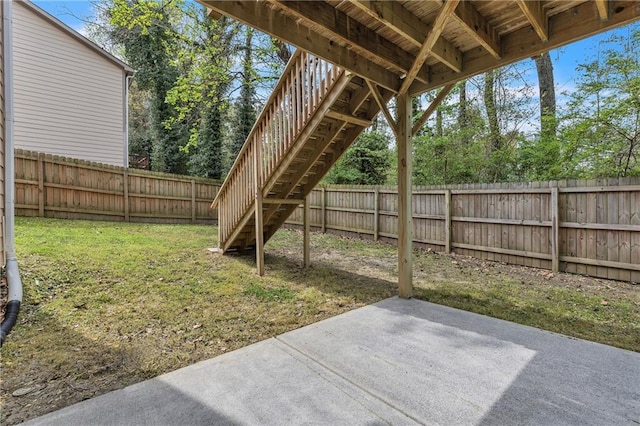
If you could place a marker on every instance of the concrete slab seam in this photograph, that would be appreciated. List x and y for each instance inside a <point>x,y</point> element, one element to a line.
<point>328,368</point>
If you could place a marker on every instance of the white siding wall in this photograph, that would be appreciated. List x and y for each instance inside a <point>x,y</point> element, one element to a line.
<point>68,98</point>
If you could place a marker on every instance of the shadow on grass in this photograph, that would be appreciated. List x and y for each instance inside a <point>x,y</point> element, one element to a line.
<point>76,368</point>
<point>559,317</point>
<point>559,320</point>
<point>324,277</point>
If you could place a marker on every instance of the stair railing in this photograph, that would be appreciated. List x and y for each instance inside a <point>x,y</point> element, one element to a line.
<point>305,82</point>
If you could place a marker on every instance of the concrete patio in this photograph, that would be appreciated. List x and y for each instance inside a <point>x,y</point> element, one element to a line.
<point>395,362</point>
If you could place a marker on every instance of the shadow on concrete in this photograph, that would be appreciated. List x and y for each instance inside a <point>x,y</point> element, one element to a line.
<point>561,380</point>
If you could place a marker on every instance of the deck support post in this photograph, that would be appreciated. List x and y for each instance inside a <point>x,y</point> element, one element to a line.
<point>405,226</point>
<point>257,163</point>
<point>307,232</point>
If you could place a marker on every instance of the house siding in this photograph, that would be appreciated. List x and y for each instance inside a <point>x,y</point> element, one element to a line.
<point>1,137</point>
<point>68,99</point>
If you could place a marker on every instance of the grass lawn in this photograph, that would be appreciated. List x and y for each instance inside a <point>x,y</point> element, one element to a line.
<point>110,304</point>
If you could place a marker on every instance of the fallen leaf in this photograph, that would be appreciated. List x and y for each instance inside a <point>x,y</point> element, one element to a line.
<point>22,391</point>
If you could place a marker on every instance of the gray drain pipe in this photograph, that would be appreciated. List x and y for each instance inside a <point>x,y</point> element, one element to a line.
<point>13,275</point>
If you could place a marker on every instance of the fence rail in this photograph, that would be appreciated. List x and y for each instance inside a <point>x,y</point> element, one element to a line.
<point>585,227</point>
<point>60,187</point>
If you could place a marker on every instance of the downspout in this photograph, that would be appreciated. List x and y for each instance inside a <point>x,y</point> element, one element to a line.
<point>13,275</point>
<point>127,83</point>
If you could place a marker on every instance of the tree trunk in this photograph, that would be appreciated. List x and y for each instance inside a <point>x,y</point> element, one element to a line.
<point>282,50</point>
<point>548,126</point>
<point>492,113</point>
<point>463,117</point>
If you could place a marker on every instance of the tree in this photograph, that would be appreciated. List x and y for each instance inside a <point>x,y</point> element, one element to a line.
<point>200,94</point>
<point>366,162</point>
<point>540,157</point>
<point>547,90</point>
<point>145,30</point>
<point>495,145</point>
<point>245,111</point>
<point>601,133</point>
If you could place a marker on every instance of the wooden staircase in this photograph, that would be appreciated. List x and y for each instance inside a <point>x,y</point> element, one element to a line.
<point>314,114</point>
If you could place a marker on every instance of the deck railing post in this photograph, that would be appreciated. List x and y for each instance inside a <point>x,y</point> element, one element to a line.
<point>323,213</point>
<point>307,232</point>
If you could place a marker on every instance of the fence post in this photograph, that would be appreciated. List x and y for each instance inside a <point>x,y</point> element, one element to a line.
<point>40,184</point>
<point>323,213</point>
<point>376,214</point>
<point>193,201</point>
<point>125,187</point>
<point>555,258</point>
<point>447,221</point>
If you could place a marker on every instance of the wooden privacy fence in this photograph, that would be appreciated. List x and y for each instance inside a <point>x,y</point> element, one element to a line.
<point>585,227</point>
<point>60,187</point>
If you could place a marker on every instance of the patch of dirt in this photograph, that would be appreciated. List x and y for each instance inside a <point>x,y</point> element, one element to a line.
<point>433,266</point>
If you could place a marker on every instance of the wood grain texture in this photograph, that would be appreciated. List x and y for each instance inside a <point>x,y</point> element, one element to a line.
<point>59,187</point>
<point>534,224</point>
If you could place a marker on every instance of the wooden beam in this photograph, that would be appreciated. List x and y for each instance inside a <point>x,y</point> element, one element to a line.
<point>359,98</point>
<point>336,25</point>
<point>213,14</point>
<point>425,50</point>
<point>273,22</point>
<point>257,172</point>
<point>603,9</point>
<point>405,226</point>
<point>536,16</point>
<point>383,107</point>
<point>307,233</point>
<point>568,26</point>
<point>348,118</point>
<point>405,23</point>
<point>432,107</point>
<point>293,201</point>
<point>478,27</point>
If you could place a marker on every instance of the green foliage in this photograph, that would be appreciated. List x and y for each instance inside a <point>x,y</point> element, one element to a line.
<point>262,293</point>
<point>460,145</point>
<point>601,129</point>
<point>245,111</point>
<point>146,30</point>
<point>366,162</point>
<point>206,155</point>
